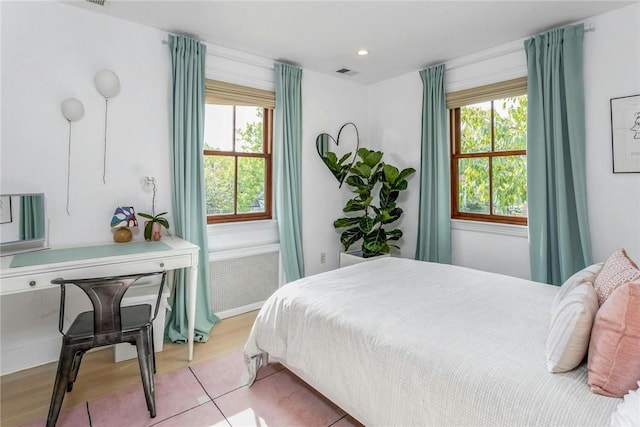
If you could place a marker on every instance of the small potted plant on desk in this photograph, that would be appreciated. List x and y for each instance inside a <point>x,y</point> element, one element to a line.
<point>152,227</point>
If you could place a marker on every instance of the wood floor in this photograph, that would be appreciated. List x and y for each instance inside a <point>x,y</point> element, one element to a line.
<point>25,395</point>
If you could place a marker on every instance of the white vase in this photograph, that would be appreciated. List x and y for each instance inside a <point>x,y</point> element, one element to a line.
<point>355,257</point>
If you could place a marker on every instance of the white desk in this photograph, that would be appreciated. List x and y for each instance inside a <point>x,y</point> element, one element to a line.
<point>181,254</point>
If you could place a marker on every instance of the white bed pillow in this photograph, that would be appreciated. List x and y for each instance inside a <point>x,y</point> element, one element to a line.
<point>586,275</point>
<point>628,412</point>
<point>570,331</point>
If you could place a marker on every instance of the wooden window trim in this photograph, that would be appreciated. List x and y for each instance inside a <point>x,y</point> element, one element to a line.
<point>267,141</point>
<point>505,89</point>
<point>456,155</point>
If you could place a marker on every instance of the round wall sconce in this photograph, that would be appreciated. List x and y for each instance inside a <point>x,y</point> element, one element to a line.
<point>72,110</point>
<point>108,85</point>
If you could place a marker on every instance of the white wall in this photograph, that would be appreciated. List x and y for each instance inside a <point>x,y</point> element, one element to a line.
<point>395,114</point>
<point>327,104</point>
<point>51,51</point>
<point>612,69</point>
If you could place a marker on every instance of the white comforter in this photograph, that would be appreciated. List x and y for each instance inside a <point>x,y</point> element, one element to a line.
<point>402,342</point>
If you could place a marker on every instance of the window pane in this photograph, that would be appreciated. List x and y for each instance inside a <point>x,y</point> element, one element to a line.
<point>475,128</point>
<point>219,179</point>
<point>511,123</point>
<point>218,127</point>
<point>510,185</point>
<point>473,185</point>
<point>249,129</point>
<point>251,176</point>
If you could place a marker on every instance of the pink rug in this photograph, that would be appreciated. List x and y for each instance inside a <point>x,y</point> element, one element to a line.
<point>212,393</point>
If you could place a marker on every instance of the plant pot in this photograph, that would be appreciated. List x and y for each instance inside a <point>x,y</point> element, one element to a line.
<point>156,229</point>
<point>355,257</point>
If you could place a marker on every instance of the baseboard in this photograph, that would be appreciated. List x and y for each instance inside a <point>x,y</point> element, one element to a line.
<point>29,355</point>
<point>240,310</point>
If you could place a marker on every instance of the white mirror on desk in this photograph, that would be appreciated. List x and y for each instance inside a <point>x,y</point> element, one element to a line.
<point>22,223</point>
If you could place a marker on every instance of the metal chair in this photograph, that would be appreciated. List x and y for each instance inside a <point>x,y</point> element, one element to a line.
<point>107,324</point>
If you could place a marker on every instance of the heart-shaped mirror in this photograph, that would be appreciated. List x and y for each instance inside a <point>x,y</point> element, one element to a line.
<point>339,159</point>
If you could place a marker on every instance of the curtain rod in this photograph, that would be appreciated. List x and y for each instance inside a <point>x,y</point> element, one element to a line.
<point>587,27</point>
<point>512,47</point>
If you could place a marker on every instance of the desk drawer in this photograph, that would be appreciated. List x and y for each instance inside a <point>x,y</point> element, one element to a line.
<point>30,282</point>
<point>36,281</point>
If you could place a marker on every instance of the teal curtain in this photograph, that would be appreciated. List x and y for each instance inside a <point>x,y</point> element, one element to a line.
<point>189,215</point>
<point>31,217</point>
<point>434,217</point>
<point>287,141</point>
<point>559,241</point>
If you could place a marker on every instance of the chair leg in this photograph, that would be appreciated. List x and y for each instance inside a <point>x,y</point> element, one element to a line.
<point>146,370</point>
<point>77,359</point>
<point>152,349</point>
<point>65,364</point>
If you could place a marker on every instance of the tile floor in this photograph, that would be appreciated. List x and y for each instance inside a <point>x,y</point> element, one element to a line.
<point>212,393</point>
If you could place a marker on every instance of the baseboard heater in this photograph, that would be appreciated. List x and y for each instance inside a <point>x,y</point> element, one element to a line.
<point>242,279</point>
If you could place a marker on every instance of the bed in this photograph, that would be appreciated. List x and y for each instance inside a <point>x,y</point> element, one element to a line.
<point>402,342</point>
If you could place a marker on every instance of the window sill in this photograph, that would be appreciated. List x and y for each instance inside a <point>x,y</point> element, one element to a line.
<point>490,228</point>
<point>243,234</point>
<point>224,227</point>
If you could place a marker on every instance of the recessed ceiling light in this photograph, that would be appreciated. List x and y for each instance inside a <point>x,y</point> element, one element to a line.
<point>363,52</point>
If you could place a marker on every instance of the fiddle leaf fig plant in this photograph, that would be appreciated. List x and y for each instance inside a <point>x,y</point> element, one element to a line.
<point>371,177</point>
<point>338,167</point>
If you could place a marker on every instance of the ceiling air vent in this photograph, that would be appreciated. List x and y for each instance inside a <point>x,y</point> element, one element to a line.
<point>98,2</point>
<point>346,72</point>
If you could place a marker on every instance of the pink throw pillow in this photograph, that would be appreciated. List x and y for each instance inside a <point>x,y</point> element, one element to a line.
<point>614,350</point>
<point>616,271</point>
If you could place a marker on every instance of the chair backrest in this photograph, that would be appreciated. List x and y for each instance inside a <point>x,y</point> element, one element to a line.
<point>105,294</point>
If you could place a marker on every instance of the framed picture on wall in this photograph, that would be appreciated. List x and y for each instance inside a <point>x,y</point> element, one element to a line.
<point>5,209</point>
<point>625,133</point>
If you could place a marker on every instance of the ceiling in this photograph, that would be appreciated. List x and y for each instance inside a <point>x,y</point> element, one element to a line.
<point>324,36</point>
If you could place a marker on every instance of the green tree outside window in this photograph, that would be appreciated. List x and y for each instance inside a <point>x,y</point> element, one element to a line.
<point>491,162</point>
